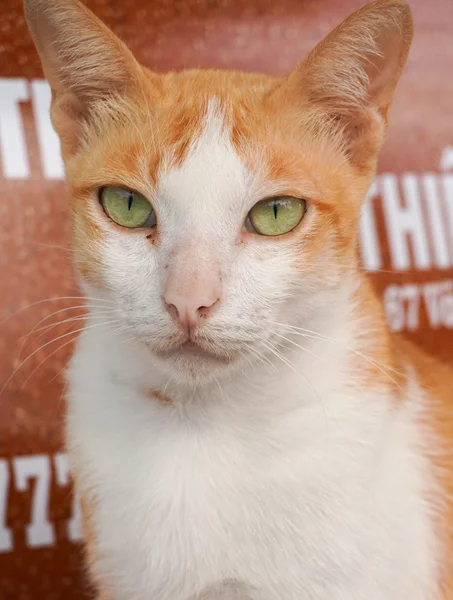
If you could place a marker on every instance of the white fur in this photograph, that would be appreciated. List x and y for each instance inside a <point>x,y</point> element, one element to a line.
<point>268,479</point>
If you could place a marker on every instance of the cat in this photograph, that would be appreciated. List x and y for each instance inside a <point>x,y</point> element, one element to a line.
<point>241,423</point>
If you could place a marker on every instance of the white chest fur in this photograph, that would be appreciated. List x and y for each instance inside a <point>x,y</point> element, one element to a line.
<point>276,495</point>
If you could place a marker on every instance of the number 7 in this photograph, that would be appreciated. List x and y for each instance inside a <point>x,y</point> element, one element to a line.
<point>40,532</point>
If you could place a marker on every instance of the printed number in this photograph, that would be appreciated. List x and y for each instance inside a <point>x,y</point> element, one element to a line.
<point>402,307</point>
<point>40,531</point>
<point>403,304</point>
<point>6,538</point>
<point>62,473</point>
<point>394,308</point>
<point>411,293</point>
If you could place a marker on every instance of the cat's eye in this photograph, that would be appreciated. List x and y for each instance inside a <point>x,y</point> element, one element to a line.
<point>277,216</point>
<point>127,208</point>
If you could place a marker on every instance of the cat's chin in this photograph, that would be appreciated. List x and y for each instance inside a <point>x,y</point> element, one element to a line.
<point>191,362</point>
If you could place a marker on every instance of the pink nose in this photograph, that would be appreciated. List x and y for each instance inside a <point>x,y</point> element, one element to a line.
<point>189,309</point>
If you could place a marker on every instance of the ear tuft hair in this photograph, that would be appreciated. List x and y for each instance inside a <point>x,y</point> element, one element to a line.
<point>349,78</point>
<point>78,52</point>
<point>84,62</point>
<point>359,63</point>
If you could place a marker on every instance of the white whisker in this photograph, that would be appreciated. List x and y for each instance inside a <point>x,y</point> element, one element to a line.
<point>47,344</point>
<point>55,299</point>
<point>36,327</point>
<point>308,334</point>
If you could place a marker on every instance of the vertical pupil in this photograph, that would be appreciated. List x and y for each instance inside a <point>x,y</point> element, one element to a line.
<point>275,207</point>
<point>130,199</point>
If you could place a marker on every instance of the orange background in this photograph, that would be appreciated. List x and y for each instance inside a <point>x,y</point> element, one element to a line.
<point>35,262</point>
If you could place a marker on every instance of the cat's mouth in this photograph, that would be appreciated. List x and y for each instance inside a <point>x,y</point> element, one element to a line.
<point>192,350</point>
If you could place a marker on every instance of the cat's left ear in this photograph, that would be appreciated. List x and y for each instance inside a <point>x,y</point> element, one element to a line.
<point>84,62</point>
<point>351,75</point>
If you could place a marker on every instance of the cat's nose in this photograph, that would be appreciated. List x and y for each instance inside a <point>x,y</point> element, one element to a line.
<point>193,304</point>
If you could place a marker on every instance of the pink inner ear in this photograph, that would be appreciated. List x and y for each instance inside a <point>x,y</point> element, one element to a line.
<point>83,61</point>
<point>358,64</point>
<point>68,114</point>
<point>346,83</point>
<point>382,67</point>
<point>78,52</point>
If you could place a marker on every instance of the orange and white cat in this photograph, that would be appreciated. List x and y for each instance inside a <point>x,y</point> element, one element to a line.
<point>241,423</point>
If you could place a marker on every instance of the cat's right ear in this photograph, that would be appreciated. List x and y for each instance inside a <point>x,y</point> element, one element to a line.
<point>83,61</point>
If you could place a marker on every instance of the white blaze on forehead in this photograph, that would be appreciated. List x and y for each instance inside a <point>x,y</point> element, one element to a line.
<point>211,188</point>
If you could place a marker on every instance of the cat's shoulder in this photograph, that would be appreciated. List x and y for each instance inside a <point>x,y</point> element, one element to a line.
<point>435,378</point>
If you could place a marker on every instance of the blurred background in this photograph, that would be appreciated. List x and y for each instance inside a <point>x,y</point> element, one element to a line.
<point>406,238</point>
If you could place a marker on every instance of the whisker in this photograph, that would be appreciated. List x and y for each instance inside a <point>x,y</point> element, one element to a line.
<point>66,249</point>
<point>307,333</point>
<point>55,299</point>
<point>47,344</point>
<point>300,347</point>
<point>57,350</point>
<point>291,366</point>
<point>323,406</point>
<point>36,327</point>
<point>250,362</point>
<point>44,361</point>
<point>171,378</point>
<point>262,357</point>
<point>355,268</point>
<point>220,388</point>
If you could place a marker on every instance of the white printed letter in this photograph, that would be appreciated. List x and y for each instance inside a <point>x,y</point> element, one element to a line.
<point>49,143</point>
<point>12,138</point>
<point>433,206</point>
<point>404,221</point>
<point>369,243</point>
<point>446,164</point>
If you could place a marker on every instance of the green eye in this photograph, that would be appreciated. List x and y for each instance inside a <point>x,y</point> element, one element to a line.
<point>127,208</point>
<point>276,216</point>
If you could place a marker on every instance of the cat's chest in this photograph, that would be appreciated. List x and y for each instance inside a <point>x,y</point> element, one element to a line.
<point>275,509</point>
<point>191,519</point>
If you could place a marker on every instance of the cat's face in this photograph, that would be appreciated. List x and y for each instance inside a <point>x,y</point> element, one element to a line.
<point>200,285</point>
<point>210,207</point>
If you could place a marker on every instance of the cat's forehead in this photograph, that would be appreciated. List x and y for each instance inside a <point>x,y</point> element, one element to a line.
<point>213,176</point>
<point>216,127</point>
<point>197,83</point>
<point>194,108</point>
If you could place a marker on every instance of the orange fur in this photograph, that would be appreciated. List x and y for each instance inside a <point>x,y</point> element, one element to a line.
<point>159,397</point>
<point>92,548</point>
<point>89,534</point>
<point>436,379</point>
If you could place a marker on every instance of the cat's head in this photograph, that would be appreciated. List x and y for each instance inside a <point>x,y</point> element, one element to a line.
<point>210,207</point>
